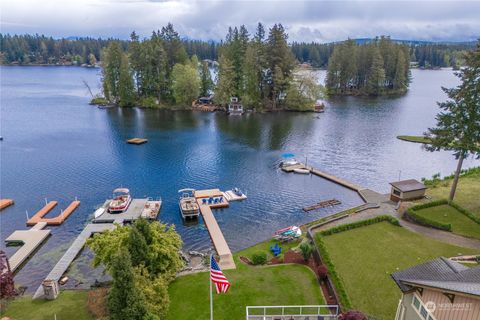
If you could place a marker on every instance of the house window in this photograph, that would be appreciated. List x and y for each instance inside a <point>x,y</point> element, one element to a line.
<point>396,192</point>
<point>424,312</point>
<point>416,303</point>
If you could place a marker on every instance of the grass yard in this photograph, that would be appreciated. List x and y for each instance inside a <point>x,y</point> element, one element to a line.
<point>467,193</point>
<point>365,257</point>
<point>262,285</point>
<point>461,224</point>
<point>70,304</point>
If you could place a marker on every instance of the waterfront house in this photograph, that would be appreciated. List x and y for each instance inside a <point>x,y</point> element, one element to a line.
<point>234,107</point>
<point>440,289</point>
<point>406,190</point>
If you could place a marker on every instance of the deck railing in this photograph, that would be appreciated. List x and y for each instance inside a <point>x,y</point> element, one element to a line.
<point>329,312</point>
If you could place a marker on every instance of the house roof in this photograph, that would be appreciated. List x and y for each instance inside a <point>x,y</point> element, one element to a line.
<point>440,273</point>
<point>408,185</point>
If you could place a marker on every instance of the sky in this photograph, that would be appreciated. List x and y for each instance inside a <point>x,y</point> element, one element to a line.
<point>320,21</point>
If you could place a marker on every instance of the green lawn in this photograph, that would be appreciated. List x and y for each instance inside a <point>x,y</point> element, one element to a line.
<point>417,139</point>
<point>69,305</point>
<point>269,285</point>
<point>461,224</point>
<point>467,193</point>
<point>365,257</point>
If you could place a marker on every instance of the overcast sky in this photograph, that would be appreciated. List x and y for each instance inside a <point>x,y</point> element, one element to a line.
<point>321,21</point>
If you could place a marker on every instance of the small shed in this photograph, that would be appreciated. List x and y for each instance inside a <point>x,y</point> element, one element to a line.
<point>405,190</point>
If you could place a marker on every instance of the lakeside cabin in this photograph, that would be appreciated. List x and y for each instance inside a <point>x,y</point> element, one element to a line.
<point>406,190</point>
<point>235,107</point>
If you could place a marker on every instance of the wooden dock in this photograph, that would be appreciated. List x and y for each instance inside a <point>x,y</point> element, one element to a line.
<point>325,175</point>
<point>226,258</point>
<point>322,204</point>
<point>4,203</point>
<point>220,244</point>
<point>30,240</point>
<point>72,252</point>
<point>137,141</point>
<point>55,221</point>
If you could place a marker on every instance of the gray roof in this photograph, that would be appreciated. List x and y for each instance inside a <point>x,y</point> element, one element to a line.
<point>408,185</point>
<point>440,273</point>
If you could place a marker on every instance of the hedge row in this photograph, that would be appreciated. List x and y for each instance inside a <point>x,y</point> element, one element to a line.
<point>465,212</point>
<point>361,223</point>
<point>412,214</point>
<point>436,177</point>
<point>430,204</point>
<point>334,277</point>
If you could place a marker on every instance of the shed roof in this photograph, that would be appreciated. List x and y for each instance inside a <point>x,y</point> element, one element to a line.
<point>408,185</point>
<point>440,273</point>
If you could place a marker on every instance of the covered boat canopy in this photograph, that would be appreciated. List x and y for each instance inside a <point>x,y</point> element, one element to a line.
<point>186,190</point>
<point>121,190</point>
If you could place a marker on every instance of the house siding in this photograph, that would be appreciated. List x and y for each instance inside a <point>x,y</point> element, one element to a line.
<point>463,308</point>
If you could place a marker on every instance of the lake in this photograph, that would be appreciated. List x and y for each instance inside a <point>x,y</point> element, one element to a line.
<point>58,147</point>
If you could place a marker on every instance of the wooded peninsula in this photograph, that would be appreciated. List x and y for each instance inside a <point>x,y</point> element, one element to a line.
<point>263,70</point>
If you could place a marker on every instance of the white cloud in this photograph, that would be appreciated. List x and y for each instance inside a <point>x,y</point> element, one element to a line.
<point>304,20</point>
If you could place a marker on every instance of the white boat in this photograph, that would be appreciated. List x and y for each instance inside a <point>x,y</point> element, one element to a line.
<point>289,162</point>
<point>188,204</point>
<point>99,212</point>
<point>301,171</point>
<point>121,200</point>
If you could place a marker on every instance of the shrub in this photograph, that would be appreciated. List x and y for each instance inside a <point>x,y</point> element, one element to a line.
<point>97,302</point>
<point>352,315</point>
<point>306,249</point>
<point>148,102</point>
<point>361,223</point>
<point>259,258</point>
<point>465,212</point>
<point>412,214</point>
<point>322,272</point>
<point>100,101</point>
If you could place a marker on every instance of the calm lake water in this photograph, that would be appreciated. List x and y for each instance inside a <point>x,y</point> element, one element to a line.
<point>56,146</point>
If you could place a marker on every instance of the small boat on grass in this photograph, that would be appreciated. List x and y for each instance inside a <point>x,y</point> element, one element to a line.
<point>301,171</point>
<point>287,234</point>
<point>188,204</point>
<point>121,200</point>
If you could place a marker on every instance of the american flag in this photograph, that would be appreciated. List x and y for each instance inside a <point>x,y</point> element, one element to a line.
<point>216,275</point>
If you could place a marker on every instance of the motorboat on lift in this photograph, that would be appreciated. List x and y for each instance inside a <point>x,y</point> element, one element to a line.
<point>120,201</point>
<point>188,204</point>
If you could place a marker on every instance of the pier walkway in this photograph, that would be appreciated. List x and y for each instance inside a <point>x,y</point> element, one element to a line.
<point>30,240</point>
<point>226,258</point>
<point>72,252</point>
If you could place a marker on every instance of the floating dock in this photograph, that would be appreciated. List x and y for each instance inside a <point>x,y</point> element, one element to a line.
<point>322,204</point>
<point>30,240</point>
<point>146,208</point>
<point>4,203</point>
<point>325,175</point>
<point>137,141</point>
<point>226,258</point>
<point>55,221</point>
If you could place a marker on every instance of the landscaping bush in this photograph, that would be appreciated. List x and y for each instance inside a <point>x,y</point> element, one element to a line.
<point>259,257</point>
<point>306,249</point>
<point>465,212</point>
<point>361,223</point>
<point>97,303</point>
<point>427,222</point>
<point>322,272</point>
<point>344,301</point>
<point>429,204</point>
<point>352,315</point>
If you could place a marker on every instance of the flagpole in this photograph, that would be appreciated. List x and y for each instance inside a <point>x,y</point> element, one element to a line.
<point>210,280</point>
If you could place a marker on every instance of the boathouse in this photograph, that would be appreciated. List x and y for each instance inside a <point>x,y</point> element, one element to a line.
<point>406,190</point>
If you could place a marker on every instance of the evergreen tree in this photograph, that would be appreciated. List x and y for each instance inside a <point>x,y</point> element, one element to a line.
<point>137,247</point>
<point>112,60</point>
<point>206,83</point>
<point>400,79</point>
<point>126,90</point>
<point>458,128</point>
<point>125,301</point>
<point>376,74</point>
<point>225,84</point>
